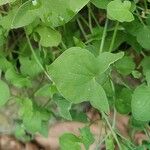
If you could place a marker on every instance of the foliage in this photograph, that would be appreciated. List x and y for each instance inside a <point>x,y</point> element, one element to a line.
<point>56,55</point>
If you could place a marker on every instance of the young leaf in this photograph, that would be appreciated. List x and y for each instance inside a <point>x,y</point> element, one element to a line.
<point>45,91</point>
<point>86,137</point>
<point>26,69</point>
<point>143,37</point>
<point>4,64</point>
<point>48,36</point>
<point>17,79</point>
<point>120,11</point>
<point>123,101</point>
<point>141,103</point>
<point>75,73</point>
<point>4,93</point>
<point>125,65</point>
<point>110,143</point>
<point>26,108</point>
<point>64,106</point>
<point>69,141</point>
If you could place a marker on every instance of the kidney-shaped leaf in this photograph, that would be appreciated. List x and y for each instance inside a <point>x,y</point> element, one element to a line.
<point>75,73</point>
<point>141,103</point>
<point>120,11</point>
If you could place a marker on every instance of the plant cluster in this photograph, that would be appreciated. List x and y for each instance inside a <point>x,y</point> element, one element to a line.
<point>57,56</point>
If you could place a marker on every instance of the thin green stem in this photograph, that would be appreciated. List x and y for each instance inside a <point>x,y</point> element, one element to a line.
<point>84,20</point>
<point>35,57</point>
<point>114,37</point>
<point>101,142</point>
<point>145,4</point>
<point>103,36</point>
<point>138,15</point>
<point>90,19</point>
<point>81,28</point>
<point>112,130</point>
<point>114,99</point>
<point>96,21</point>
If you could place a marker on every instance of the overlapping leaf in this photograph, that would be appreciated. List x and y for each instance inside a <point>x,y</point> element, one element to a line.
<point>54,13</point>
<point>75,73</point>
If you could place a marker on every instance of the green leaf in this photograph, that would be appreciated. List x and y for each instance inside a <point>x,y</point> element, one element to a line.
<point>61,11</point>
<point>136,74</point>
<point>133,27</point>
<point>79,116</point>
<point>26,108</point>
<point>146,70</point>
<point>141,103</point>
<point>4,93</point>
<point>48,36</point>
<point>6,21</point>
<point>147,76</point>
<point>120,11</point>
<point>75,78</point>
<point>4,64</point>
<point>33,116</point>
<point>143,37</point>
<point>86,137</point>
<point>53,13</point>
<point>123,101</point>
<point>69,141</point>
<point>16,79</point>
<point>101,3</point>
<point>20,133</point>
<point>25,15</point>
<point>26,69</point>
<point>125,66</point>
<point>45,91</point>
<point>33,124</point>
<point>145,63</point>
<point>109,143</point>
<point>64,106</point>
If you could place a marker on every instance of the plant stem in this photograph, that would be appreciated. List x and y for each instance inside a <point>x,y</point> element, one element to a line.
<point>114,98</point>
<point>90,19</point>
<point>81,28</point>
<point>138,15</point>
<point>35,57</point>
<point>114,37</point>
<point>103,36</point>
<point>96,21</point>
<point>145,4</point>
<point>112,130</point>
<point>84,20</point>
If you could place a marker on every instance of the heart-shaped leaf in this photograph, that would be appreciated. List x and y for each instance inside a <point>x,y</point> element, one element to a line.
<point>75,73</point>
<point>120,11</point>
